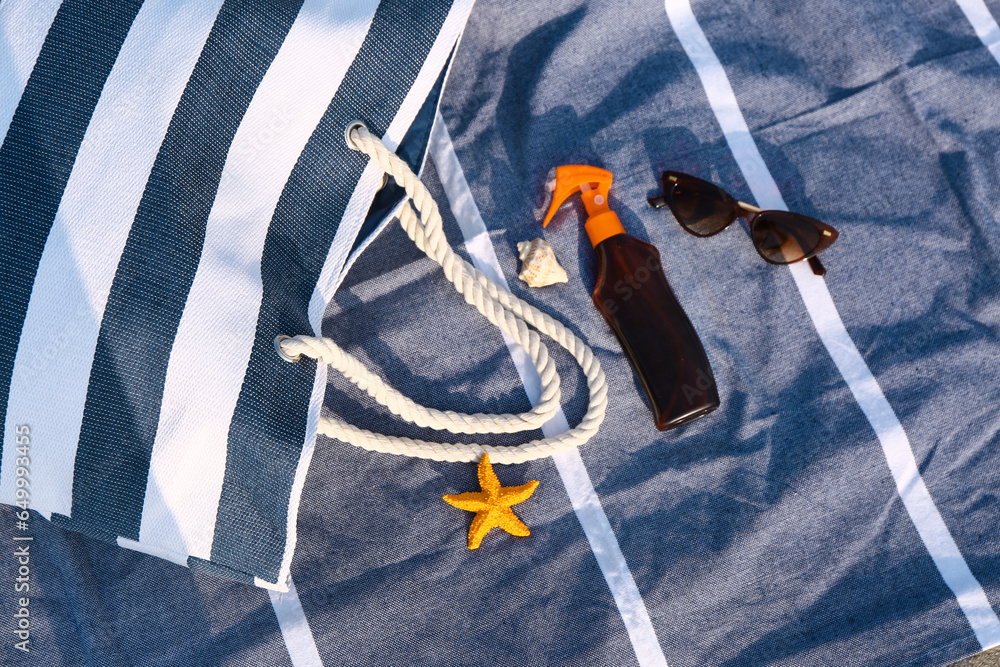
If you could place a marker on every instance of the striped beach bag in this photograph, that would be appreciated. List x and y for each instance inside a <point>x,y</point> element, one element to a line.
<point>175,193</point>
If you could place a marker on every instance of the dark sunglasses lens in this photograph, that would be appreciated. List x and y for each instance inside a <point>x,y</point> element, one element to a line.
<point>783,237</point>
<point>700,207</point>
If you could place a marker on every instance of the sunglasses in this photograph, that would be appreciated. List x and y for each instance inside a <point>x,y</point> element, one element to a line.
<point>780,237</point>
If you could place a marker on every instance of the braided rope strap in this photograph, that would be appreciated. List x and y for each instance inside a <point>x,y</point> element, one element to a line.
<point>504,310</point>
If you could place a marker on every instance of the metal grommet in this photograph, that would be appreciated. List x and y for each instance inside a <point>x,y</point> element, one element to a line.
<point>281,353</point>
<point>347,133</point>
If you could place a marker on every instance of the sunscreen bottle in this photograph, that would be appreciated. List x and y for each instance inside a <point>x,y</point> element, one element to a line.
<point>633,296</point>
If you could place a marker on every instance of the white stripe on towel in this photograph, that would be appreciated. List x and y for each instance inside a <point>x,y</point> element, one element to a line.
<point>983,23</point>
<point>895,443</point>
<point>571,468</point>
<point>185,477</point>
<point>295,628</point>
<point>56,349</point>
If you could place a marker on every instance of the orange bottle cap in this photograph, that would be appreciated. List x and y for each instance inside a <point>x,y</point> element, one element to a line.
<point>593,183</point>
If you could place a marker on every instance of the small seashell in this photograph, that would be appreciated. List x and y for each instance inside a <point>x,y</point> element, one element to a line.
<point>538,264</point>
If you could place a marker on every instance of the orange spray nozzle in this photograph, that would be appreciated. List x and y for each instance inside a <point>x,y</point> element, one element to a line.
<point>594,184</point>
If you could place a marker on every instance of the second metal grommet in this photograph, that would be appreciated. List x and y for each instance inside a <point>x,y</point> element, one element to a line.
<point>281,353</point>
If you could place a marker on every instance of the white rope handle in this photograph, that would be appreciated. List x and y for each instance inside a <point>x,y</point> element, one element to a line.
<point>503,309</point>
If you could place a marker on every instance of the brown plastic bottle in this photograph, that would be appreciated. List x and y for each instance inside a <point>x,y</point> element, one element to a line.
<point>633,295</point>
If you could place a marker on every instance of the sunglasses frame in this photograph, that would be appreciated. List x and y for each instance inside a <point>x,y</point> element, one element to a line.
<point>670,179</point>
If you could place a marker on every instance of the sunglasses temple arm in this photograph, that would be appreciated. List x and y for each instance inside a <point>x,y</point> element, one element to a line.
<point>817,266</point>
<point>659,201</point>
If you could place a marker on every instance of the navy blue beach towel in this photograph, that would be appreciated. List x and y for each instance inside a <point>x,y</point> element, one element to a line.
<point>839,508</point>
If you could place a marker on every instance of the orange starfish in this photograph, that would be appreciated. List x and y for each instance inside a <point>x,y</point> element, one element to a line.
<point>492,506</point>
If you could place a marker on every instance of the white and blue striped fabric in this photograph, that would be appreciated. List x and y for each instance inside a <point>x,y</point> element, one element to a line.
<point>175,191</point>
